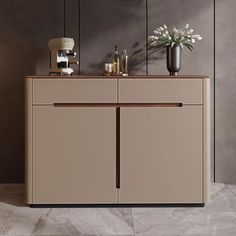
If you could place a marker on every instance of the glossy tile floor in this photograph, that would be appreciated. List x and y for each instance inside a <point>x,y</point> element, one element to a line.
<point>218,218</point>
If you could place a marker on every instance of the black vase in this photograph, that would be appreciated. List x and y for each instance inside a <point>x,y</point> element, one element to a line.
<point>173,59</point>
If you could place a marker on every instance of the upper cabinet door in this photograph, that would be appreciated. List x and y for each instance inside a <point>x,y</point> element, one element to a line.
<point>161,155</point>
<point>73,155</point>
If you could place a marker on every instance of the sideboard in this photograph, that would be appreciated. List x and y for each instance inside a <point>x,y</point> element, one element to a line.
<point>118,140</point>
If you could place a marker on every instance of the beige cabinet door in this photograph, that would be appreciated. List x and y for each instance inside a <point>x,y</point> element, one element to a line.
<point>161,155</point>
<point>74,155</point>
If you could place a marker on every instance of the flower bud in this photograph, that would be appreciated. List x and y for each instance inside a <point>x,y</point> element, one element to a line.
<point>186,26</point>
<point>190,31</point>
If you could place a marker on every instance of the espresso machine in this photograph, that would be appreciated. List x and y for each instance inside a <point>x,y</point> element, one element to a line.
<point>61,52</point>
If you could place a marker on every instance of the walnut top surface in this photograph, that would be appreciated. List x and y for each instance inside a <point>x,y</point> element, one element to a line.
<point>118,77</point>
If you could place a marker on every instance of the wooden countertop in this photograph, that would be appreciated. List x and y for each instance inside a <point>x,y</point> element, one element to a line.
<point>117,77</point>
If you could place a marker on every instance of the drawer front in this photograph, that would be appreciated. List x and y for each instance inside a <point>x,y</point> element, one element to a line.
<point>49,91</point>
<point>186,91</point>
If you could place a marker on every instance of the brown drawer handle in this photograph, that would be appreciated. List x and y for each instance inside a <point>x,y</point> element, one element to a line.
<point>174,104</point>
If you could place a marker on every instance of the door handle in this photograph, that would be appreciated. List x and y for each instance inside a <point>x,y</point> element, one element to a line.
<point>117,105</point>
<point>118,147</point>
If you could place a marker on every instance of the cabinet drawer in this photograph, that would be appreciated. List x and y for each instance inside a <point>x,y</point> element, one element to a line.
<point>49,91</point>
<point>187,91</point>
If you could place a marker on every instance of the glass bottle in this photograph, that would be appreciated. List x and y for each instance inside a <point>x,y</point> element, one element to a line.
<point>116,62</point>
<point>124,63</point>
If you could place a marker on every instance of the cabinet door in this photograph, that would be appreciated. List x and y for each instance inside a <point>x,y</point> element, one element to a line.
<point>73,155</point>
<point>161,155</point>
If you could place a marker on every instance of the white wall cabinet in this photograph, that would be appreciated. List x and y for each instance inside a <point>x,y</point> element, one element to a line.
<point>96,140</point>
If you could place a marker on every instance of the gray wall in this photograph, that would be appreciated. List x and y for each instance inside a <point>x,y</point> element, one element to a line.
<point>26,26</point>
<point>225,91</point>
<point>199,14</point>
<point>107,23</point>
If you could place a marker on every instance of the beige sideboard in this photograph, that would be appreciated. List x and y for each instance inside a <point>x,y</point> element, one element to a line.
<point>135,140</point>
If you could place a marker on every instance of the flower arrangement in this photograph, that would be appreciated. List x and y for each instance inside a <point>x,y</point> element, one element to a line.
<point>164,37</point>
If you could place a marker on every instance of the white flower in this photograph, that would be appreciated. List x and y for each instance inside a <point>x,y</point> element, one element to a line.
<point>166,32</point>
<point>196,36</point>
<point>154,43</point>
<point>152,37</point>
<point>164,37</point>
<point>175,30</point>
<point>186,26</point>
<point>190,31</point>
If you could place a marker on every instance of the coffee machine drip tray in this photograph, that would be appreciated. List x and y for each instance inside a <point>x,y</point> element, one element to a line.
<point>61,71</point>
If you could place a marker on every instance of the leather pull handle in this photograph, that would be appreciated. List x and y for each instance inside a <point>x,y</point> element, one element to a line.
<point>117,105</point>
<point>118,147</point>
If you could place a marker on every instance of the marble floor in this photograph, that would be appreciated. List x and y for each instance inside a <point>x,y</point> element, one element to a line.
<point>218,218</point>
